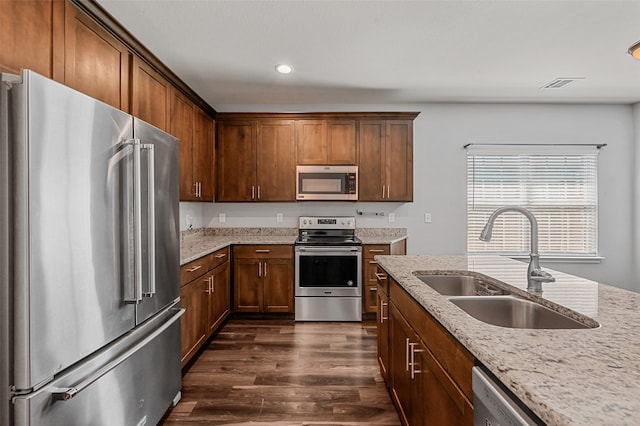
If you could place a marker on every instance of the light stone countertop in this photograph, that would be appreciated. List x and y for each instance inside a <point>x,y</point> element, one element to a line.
<point>200,242</point>
<point>566,377</point>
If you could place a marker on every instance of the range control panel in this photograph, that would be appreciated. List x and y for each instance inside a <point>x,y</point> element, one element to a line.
<point>327,222</point>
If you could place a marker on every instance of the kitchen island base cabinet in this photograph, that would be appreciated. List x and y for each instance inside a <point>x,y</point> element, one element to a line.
<point>263,279</point>
<point>204,294</point>
<point>428,371</point>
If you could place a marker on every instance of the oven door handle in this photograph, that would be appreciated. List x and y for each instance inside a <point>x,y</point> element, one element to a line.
<point>329,249</point>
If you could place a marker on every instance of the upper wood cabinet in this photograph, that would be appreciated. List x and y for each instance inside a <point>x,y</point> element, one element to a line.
<point>385,163</point>
<point>28,31</point>
<point>256,160</point>
<point>150,95</point>
<point>95,62</point>
<point>326,141</point>
<point>194,131</point>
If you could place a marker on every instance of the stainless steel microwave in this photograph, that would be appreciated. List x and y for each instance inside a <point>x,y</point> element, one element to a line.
<point>332,183</point>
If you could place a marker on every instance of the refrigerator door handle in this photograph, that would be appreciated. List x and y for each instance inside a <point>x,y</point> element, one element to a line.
<point>151,219</point>
<point>66,394</point>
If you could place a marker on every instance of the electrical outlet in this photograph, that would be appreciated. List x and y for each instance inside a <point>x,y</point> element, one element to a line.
<point>279,217</point>
<point>189,221</point>
<point>392,217</point>
<point>222,218</point>
<point>427,218</point>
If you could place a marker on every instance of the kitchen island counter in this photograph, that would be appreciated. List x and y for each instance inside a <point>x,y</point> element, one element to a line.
<point>566,377</point>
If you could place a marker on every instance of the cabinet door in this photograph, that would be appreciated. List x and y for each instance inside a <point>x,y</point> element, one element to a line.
<point>247,284</point>
<point>383,333</point>
<point>236,155</point>
<point>203,155</point>
<point>442,402</point>
<point>278,285</point>
<point>371,165</point>
<point>311,141</point>
<point>399,160</point>
<point>95,62</point>
<point>341,142</point>
<point>275,161</point>
<point>218,306</point>
<point>150,95</point>
<point>26,29</point>
<point>193,298</point>
<point>182,119</point>
<point>401,336</point>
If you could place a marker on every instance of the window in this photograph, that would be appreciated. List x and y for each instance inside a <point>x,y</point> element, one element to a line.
<point>557,183</point>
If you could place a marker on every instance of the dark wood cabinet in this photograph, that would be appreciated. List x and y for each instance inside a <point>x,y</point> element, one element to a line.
<point>369,270</point>
<point>205,296</point>
<point>429,372</point>
<point>256,160</point>
<point>263,278</point>
<point>95,62</point>
<point>385,163</point>
<point>382,321</point>
<point>194,130</point>
<point>326,141</point>
<point>150,95</point>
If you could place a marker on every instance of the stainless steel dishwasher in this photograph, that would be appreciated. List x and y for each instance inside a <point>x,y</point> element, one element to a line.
<point>492,406</point>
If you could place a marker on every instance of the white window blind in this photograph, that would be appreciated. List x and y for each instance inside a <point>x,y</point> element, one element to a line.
<point>558,184</point>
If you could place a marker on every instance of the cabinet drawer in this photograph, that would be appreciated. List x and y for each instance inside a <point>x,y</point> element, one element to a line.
<point>382,279</point>
<point>195,269</point>
<point>265,251</point>
<point>371,250</point>
<point>219,257</point>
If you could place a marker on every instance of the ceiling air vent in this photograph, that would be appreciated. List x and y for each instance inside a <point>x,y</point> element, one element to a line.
<point>561,82</point>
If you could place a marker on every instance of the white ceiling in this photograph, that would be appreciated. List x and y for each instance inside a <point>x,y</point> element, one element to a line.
<point>392,51</point>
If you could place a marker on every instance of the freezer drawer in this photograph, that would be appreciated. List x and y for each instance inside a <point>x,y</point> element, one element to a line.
<point>136,391</point>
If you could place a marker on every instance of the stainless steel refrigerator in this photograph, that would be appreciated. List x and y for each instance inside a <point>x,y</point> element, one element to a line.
<point>89,315</point>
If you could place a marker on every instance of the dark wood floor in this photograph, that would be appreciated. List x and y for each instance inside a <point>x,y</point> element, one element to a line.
<point>286,373</point>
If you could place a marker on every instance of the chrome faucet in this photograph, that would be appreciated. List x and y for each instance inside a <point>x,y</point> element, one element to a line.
<point>535,275</point>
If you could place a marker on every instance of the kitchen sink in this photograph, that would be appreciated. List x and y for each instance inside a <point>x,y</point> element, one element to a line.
<point>460,285</point>
<point>513,312</point>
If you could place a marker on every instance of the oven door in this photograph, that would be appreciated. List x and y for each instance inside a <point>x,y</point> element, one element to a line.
<point>328,271</point>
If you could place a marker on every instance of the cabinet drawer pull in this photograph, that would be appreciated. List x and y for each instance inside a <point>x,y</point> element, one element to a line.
<point>382,317</point>
<point>220,256</point>
<point>263,251</point>
<point>373,288</point>
<point>376,251</point>
<point>195,268</point>
<point>380,276</point>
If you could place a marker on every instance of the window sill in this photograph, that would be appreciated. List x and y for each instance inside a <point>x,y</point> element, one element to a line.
<point>552,258</point>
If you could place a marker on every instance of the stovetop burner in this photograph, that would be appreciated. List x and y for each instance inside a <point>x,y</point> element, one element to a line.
<point>327,231</point>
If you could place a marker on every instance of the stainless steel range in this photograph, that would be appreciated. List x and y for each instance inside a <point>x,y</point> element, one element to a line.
<point>328,265</point>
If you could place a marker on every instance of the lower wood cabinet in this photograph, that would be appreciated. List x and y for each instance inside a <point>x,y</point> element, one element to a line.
<point>428,371</point>
<point>382,320</point>
<point>369,268</point>
<point>263,278</point>
<point>204,294</point>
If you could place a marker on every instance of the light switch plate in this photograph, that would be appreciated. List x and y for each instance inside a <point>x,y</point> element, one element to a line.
<point>427,218</point>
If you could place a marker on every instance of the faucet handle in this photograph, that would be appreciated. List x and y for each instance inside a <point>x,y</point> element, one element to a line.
<point>542,276</point>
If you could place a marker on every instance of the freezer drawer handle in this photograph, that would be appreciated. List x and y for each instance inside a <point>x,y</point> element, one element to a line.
<point>66,394</point>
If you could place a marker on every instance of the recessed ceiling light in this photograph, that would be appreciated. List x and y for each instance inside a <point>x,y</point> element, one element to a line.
<point>635,50</point>
<point>284,68</point>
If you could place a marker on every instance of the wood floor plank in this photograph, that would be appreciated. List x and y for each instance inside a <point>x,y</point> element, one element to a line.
<point>279,372</point>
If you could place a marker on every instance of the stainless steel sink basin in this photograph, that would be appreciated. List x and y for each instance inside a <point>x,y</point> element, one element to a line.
<point>460,285</point>
<point>512,312</point>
